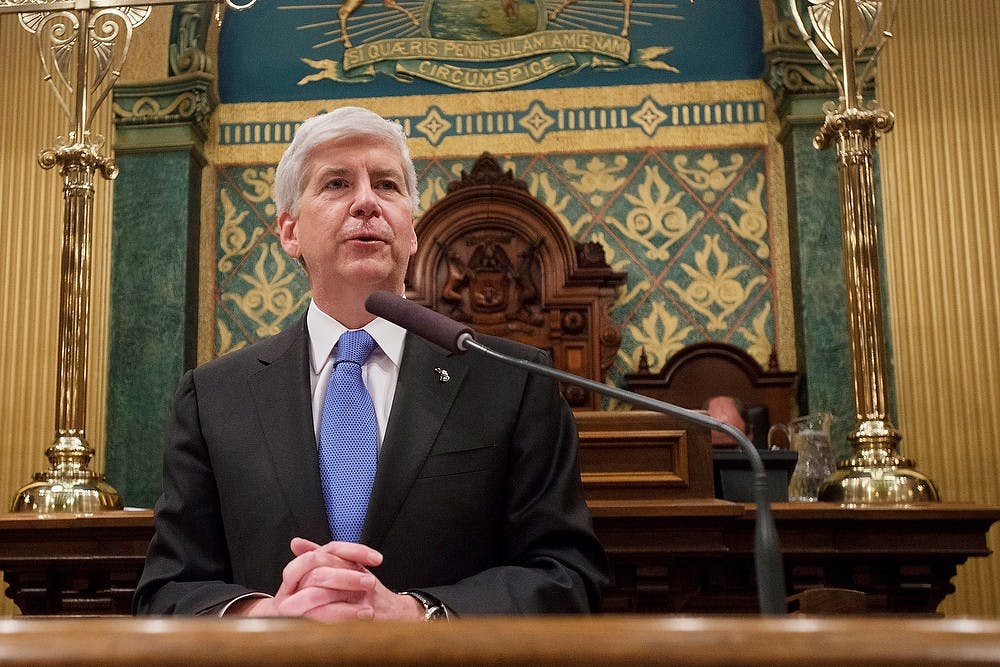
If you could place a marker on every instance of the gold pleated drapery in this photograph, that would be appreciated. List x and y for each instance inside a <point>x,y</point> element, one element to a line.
<point>941,181</point>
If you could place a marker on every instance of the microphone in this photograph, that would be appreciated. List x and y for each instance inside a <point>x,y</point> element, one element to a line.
<point>459,338</point>
<point>426,323</point>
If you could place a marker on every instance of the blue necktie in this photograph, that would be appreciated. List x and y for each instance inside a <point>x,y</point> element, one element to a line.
<point>348,439</point>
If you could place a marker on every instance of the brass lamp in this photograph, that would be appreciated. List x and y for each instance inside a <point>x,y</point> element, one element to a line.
<point>875,473</point>
<point>82,45</point>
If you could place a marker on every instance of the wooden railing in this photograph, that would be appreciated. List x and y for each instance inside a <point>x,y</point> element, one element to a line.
<point>607,641</point>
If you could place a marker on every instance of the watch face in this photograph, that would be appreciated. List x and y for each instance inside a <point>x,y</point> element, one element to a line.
<point>435,613</point>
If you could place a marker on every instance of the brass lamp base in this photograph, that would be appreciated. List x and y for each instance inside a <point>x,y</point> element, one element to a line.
<point>864,485</point>
<point>68,486</point>
<point>876,475</point>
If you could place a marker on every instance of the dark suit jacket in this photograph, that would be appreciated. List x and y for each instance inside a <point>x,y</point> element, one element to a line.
<point>477,499</point>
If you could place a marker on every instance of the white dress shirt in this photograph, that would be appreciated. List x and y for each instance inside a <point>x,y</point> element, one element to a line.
<point>379,373</point>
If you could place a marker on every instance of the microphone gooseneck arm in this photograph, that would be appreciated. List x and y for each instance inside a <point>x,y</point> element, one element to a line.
<point>457,337</point>
<point>767,554</point>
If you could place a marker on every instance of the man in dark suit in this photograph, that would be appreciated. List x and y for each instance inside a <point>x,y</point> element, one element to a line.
<point>476,505</point>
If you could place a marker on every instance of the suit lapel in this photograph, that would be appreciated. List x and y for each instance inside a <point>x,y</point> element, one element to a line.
<point>281,391</point>
<point>421,403</point>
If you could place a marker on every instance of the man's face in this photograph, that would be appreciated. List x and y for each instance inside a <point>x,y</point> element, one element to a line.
<point>354,227</point>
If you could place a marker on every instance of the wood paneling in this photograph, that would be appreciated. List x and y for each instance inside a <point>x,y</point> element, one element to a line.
<point>682,555</point>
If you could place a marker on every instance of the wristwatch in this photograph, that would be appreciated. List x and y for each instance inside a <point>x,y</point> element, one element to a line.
<point>434,609</point>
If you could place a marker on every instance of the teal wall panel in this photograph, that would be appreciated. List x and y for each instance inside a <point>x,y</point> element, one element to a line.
<point>153,311</point>
<point>819,294</point>
<point>690,228</point>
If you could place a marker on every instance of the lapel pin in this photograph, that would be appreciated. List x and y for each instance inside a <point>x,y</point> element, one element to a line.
<point>442,374</point>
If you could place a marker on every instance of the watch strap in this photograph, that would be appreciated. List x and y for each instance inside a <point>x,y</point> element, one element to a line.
<point>434,609</point>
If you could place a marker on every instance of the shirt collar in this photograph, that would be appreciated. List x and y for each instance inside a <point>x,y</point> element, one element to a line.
<point>325,331</point>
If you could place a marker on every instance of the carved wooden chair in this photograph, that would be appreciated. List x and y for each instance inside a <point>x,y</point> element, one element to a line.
<point>494,256</point>
<point>696,373</point>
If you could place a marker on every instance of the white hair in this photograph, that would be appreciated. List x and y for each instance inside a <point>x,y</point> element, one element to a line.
<point>290,176</point>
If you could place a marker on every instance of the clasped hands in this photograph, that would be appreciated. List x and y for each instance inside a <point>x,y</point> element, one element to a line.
<point>331,582</point>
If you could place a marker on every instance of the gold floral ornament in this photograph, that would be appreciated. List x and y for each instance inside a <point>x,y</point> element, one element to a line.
<point>636,290</point>
<point>269,301</point>
<point>541,189</point>
<point>434,189</point>
<point>226,343</point>
<point>717,293</point>
<point>233,238</point>
<point>659,334</point>
<point>752,225</point>
<point>710,177</point>
<point>759,344</point>
<point>234,241</point>
<point>598,178</point>
<point>656,220</point>
<point>261,188</point>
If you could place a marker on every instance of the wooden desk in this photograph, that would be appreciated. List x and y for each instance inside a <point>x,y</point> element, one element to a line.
<point>697,556</point>
<point>74,565</point>
<point>608,641</point>
<point>683,556</point>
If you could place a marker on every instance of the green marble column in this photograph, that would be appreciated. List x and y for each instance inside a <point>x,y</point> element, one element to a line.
<point>160,131</point>
<point>816,245</point>
<point>819,297</point>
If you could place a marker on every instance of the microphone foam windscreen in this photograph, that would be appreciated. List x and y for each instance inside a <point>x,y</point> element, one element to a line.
<point>426,323</point>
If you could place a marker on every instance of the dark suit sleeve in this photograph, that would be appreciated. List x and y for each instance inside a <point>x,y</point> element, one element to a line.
<point>187,564</point>
<point>552,561</point>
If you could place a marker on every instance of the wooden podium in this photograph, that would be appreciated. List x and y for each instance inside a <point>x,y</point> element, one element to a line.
<point>697,557</point>
<point>608,641</point>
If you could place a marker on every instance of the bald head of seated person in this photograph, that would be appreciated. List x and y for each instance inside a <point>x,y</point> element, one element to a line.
<point>730,410</point>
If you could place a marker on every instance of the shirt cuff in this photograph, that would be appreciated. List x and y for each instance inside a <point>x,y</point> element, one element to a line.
<point>223,608</point>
